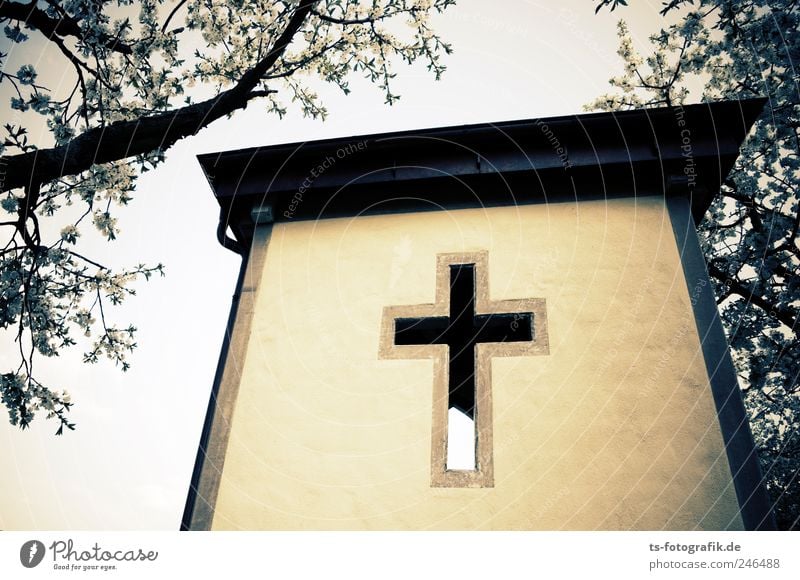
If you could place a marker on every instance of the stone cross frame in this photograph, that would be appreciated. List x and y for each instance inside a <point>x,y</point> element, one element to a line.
<point>488,314</point>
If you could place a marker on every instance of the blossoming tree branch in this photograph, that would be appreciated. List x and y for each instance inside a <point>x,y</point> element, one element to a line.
<point>144,75</point>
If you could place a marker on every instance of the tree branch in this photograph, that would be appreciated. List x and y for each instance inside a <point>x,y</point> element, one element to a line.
<point>331,19</point>
<point>786,315</point>
<point>171,14</point>
<point>125,139</point>
<point>38,19</point>
<point>255,94</point>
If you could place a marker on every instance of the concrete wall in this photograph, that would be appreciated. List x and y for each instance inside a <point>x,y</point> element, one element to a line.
<point>614,429</point>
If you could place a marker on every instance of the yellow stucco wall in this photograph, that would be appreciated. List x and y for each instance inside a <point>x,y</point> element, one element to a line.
<point>615,429</point>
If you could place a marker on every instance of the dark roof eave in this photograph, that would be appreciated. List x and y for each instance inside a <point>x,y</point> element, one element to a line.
<point>580,156</point>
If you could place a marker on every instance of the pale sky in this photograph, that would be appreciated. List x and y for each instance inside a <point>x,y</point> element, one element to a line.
<point>129,463</point>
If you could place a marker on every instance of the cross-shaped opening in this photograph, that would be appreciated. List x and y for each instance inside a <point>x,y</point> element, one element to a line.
<point>461,331</point>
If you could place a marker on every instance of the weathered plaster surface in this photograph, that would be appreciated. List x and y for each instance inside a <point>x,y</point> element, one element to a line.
<point>614,429</point>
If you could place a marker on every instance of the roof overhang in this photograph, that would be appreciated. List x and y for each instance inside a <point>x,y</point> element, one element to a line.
<point>664,151</point>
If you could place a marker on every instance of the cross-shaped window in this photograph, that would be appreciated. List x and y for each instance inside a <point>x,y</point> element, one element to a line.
<point>462,331</point>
